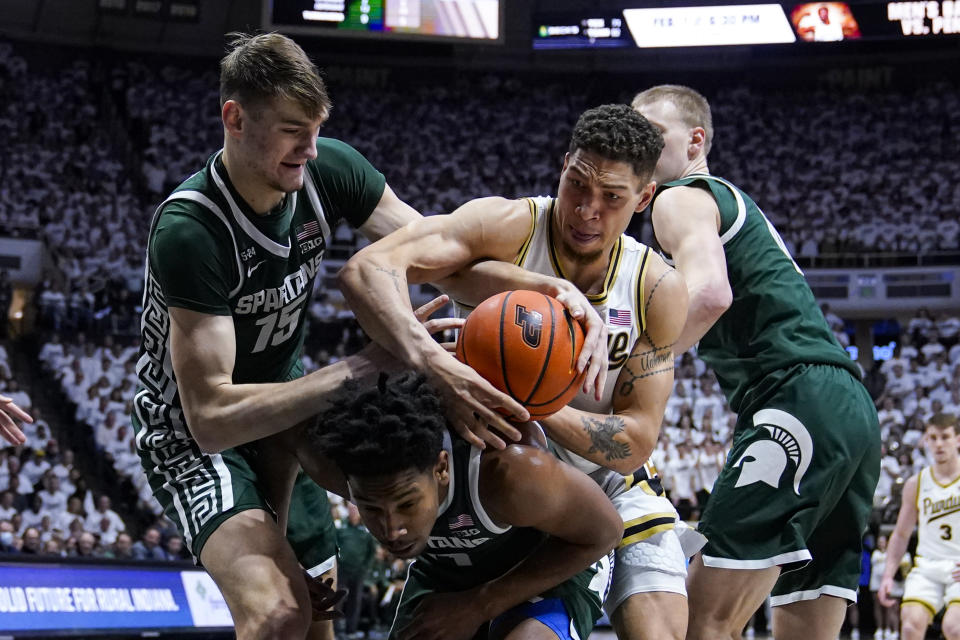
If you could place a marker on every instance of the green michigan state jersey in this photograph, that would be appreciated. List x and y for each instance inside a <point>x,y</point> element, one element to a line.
<point>774,321</point>
<point>467,548</point>
<point>209,252</point>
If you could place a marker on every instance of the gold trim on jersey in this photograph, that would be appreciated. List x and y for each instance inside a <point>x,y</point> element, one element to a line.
<point>919,485</point>
<point>933,477</point>
<point>638,303</point>
<point>525,248</point>
<point>647,526</point>
<point>613,266</point>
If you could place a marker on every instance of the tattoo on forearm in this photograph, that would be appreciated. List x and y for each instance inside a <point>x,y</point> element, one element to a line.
<point>601,434</point>
<point>646,364</point>
<point>394,275</point>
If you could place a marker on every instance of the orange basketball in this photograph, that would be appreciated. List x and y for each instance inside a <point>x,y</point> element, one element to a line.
<point>526,344</point>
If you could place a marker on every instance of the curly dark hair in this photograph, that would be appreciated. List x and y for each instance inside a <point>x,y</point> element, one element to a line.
<point>617,132</point>
<point>385,429</point>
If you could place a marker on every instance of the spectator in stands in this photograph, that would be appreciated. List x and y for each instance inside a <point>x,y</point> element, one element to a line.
<point>81,491</point>
<point>682,471</point>
<point>15,475</point>
<point>35,466</point>
<point>63,466</point>
<point>7,506</point>
<point>87,546</point>
<point>890,416</point>
<point>103,512</point>
<point>919,324</point>
<point>31,541</point>
<point>51,353</point>
<point>53,498</point>
<point>148,547</point>
<point>7,537</point>
<point>52,547</point>
<point>899,385</point>
<point>73,511</point>
<point>34,513</point>
<point>122,548</point>
<point>173,548</point>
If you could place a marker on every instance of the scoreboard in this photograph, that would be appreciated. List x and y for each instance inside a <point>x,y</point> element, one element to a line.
<point>748,24</point>
<point>446,20</point>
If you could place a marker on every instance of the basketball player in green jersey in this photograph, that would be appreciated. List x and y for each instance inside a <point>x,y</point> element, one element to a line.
<point>930,502</point>
<point>232,258</point>
<point>579,236</point>
<point>789,507</point>
<point>512,536</point>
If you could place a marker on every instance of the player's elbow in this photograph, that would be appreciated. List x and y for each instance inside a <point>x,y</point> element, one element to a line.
<point>716,298</point>
<point>206,432</point>
<point>208,443</point>
<point>642,444</point>
<point>350,275</point>
<point>611,530</point>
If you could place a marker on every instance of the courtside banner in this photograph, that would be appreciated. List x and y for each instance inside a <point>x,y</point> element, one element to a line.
<point>709,26</point>
<point>37,597</point>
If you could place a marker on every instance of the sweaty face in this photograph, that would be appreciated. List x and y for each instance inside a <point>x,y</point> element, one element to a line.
<point>595,201</point>
<point>277,140</point>
<point>676,139</point>
<point>399,509</point>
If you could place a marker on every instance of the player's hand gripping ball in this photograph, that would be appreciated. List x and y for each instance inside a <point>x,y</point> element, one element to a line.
<point>526,345</point>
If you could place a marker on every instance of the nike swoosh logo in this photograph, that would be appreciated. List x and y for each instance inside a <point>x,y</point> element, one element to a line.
<point>250,270</point>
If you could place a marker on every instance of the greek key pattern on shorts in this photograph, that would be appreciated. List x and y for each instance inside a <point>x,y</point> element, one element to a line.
<point>154,367</point>
<point>198,484</point>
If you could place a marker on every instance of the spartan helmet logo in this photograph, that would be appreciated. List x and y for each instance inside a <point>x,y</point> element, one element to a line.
<point>765,460</point>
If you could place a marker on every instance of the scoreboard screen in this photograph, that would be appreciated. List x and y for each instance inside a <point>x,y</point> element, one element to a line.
<point>446,20</point>
<point>748,24</point>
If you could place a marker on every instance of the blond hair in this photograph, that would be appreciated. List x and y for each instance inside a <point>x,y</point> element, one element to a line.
<point>693,107</point>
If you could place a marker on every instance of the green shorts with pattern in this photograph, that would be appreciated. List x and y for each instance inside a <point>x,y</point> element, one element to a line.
<point>199,491</point>
<point>797,487</point>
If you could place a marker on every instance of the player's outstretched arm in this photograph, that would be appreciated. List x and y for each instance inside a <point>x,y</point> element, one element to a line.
<point>390,214</point>
<point>375,281</point>
<point>222,414</point>
<point>526,486</point>
<point>897,545</point>
<point>477,282</point>
<point>625,439</point>
<point>686,221</point>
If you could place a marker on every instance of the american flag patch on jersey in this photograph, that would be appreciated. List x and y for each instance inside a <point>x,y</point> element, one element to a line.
<point>620,317</point>
<point>463,520</point>
<point>308,229</point>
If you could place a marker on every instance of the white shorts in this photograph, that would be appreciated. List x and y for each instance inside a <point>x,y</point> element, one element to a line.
<point>653,553</point>
<point>929,583</point>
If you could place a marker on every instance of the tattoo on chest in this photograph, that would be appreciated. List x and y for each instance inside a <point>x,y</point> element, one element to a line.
<point>643,365</point>
<point>394,275</point>
<point>602,433</point>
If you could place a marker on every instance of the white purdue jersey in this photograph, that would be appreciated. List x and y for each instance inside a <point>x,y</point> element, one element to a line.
<point>938,517</point>
<point>620,304</point>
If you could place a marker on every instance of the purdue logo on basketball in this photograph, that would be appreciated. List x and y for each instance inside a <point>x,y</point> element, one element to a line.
<point>526,345</point>
<point>532,324</point>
